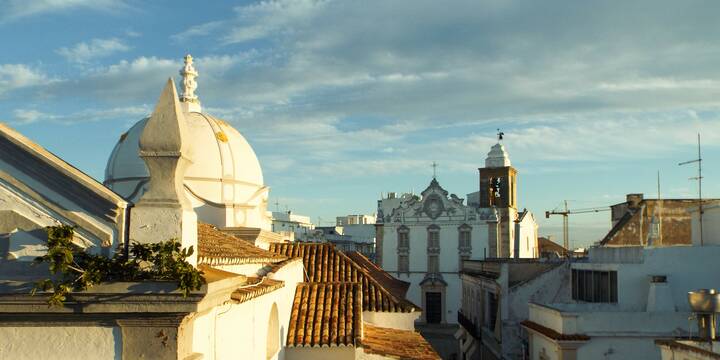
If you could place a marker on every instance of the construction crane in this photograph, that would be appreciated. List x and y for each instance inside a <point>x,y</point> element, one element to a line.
<point>565,213</point>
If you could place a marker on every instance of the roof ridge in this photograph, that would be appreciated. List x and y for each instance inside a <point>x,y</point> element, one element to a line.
<point>61,165</point>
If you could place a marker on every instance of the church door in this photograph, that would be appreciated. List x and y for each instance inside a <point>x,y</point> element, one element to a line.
<point>433,307</point>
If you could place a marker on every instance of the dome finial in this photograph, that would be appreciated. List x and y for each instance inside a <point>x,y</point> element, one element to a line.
<point>188,98</point>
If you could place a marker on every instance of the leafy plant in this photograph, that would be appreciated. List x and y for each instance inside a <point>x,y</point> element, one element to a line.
<point>74,269</point>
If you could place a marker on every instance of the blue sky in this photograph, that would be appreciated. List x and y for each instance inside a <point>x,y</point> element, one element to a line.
<point>343,100</point>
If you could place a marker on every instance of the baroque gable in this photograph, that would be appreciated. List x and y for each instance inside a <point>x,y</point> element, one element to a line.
<point>435,204</point>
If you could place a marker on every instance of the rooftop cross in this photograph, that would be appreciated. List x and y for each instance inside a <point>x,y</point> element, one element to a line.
<point>189,74</point>
<point>434,166</point>
<point>500,135</point>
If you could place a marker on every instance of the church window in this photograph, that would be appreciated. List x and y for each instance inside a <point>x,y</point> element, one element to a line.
<point>464,243</point>
<point>433,239</point>
<point>403,249</point>
<point>403,263</point>
<point>403,239</point>
<point>433,263</point>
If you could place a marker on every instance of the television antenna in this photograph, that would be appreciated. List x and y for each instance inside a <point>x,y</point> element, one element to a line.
<point>699,180</point>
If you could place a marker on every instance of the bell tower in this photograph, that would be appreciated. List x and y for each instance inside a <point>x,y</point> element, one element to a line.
<point>498,188</point>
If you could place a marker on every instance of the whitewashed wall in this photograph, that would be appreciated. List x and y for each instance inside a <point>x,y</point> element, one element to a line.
<point>61,342</point>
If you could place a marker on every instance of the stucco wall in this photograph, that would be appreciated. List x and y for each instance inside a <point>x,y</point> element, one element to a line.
<point>240,330</point>
<point>402,321</point>
<point>67,342</point>
<point>686,268</point>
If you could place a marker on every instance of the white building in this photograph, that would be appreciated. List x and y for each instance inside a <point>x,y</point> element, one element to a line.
<point>186,175</point>
<point>355,220</point>
<point>292,226</point>
<point>422,240</point>
<point>495,296</point>
<point>622,300</point>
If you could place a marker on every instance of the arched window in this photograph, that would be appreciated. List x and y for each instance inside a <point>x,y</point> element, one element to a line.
<point>273,334</point>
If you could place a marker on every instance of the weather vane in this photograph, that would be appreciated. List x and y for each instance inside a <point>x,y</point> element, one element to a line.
<point>434,166</point>
<point>500,135</point>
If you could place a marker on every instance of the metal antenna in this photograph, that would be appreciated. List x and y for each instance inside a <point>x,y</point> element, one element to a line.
<point>699,180</point>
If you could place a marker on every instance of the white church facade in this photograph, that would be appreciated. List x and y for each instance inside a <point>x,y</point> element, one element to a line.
<point>186,175</point>
<point>424,239</point>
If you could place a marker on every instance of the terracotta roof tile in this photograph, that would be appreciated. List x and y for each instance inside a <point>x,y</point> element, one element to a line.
<point>396,287</point>
<point>396,344</point>
<point>552,334</point>
<point>326,314</point>
<point>256,287</point>
<point>218,248</point>
<point>324,263</point>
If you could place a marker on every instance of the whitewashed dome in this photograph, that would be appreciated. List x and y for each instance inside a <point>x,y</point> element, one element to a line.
<point>224,183</point>
<point>497,157</point>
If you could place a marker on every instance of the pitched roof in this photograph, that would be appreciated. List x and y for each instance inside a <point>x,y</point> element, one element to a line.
<point>324,263</point>
<point>326,314</point>
<point>218,248</point>
<point>256,287</point>
<point>547,245</point>
<point>552,334</point>
<point>396,287</point>
<point>395,343</point>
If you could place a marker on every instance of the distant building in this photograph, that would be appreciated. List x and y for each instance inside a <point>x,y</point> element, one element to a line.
<point>354,220</point>
<point>498,189</point>
<point>424,239</point>
<point>550,249</point>
<point>292,226</point>
<point>360,238</point>
<point>652,222</point>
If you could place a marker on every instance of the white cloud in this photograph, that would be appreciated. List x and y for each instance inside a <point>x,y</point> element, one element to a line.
<point>17,76</point>
<point>198,30</point>
<point>85,52</point>
<point>16,9</point>
<point>28,116</point>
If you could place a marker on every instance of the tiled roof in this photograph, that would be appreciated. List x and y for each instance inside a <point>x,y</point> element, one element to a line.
<point>326,314</point>
<point>218,248</point>
<point>324,263</point>
<point>256,287</point>
<point>396,287</point>
<point>552,334</point>
<point>396,344</point>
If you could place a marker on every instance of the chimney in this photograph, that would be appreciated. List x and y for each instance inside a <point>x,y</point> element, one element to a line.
<point>634,200</point>
<point>164,212</point>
